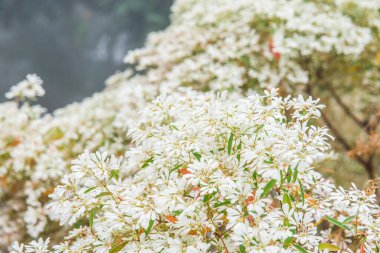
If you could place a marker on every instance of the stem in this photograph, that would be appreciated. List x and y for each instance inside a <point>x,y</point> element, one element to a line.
<point>217,233</point>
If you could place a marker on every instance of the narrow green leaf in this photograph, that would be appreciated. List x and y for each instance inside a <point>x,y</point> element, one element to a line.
<point>268,187</point>
<point>150,226</point>
<point>238,148</point>
<point>177,212</point>
<point>286,200</point>
<point>173,127</point>
<point>103,194</point>
<point>302,192</point>
<point>242,249</point>
<point>175,168</point>
<point>90,189</point>
<point>288,241</point>
<point>289,174</point>
<point>349,219</point>
<point>328,246</point>
<point>270,161</point>
<point>91,219</point>
<point>229,146</point>
<point>198,156</point>
<point>147,162</point>
<point>206,198</point>
<point>224,203</point>
<point>254,175</point>
<point>300,249</point>
<point>114,174</point>
<point>295,174</point>
<point>337,223</point>
<point>118,247</point>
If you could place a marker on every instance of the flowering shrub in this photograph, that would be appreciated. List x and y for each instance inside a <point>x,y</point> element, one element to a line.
<point>214,174</point>
<point>260,43</point>
<point>327,49</point>
<point>205,172</point>
<point>36,148</point>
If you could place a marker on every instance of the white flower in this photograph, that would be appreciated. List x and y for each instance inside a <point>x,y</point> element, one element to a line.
<point>30,88</point>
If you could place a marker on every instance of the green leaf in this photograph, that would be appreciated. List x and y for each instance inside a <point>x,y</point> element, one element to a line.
<point>288,241</point>
<point>90,189</point>
<point>175,168</point>
<point>337,223</point>
<point>241,249</point>
<point>349,219</point>
<point>300,249</point>
<point>118,247</point>
<point>268,187</point>
<point>177,212</point>
<point>114,174</point>
<point>206,198</point>
<point>150,226</point>
<point>91,219</point>
<point>286,200</point>
<point>238,148</point>
<point>245,60</point>
<point>328,246</point>
<point>270,161</point>
<point>103,194</point>
<point>302,192</point>
<point>198,156</point>
<point>147,162</point>
<point>295,174</point>
<point>173,127</point>
<point>289,174</point>
<point>254,175</point>
<point>229,146</point>
<point>224,203</point>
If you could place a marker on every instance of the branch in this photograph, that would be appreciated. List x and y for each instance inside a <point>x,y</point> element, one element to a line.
<point>367,164</point>
<point>345,108</point>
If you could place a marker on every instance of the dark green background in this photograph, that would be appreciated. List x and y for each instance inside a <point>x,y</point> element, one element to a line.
<point>73,45</point>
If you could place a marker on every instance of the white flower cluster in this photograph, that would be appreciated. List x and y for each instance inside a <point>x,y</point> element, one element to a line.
<point>248,44</point>
<point>27,89</point>
<point>214,173</point>
<point>204,173</point>
<point>36,150</point>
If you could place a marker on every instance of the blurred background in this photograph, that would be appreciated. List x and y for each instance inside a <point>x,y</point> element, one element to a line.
<point>73,45</point>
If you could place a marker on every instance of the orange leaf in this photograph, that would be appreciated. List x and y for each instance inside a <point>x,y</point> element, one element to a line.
<point>184,171</point>
<point>196,188</point>
<point>249,200</point>
<point>250,219</point>
<point>192,232</point>
<point>276,54</point>
<point>171,218</point>
<point>14,142</point>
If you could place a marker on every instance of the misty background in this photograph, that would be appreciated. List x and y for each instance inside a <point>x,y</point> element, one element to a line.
<point>73,45</point>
